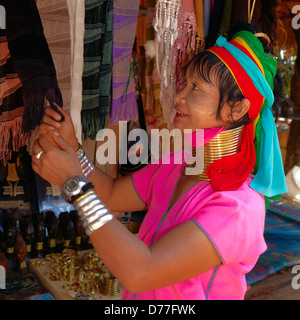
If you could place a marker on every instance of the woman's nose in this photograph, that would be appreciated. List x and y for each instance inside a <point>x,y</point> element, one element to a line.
<point>180,97</point>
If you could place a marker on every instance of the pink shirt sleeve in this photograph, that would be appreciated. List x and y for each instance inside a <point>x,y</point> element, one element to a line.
<point>143,181</point>
<point>234,223</point>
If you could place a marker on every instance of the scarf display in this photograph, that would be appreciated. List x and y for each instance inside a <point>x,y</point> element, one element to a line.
<point>77,16</point>
<point>124,105</point>
<point>96,77</point>
<point>166,25</point>
<point>253,71</point>
<point>32,60</point>
<point>11,105</point>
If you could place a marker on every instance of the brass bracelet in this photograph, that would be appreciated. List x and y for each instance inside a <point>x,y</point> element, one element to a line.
<point>79,150</point>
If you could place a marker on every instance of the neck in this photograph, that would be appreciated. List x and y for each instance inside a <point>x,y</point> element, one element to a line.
<point>224,144</point>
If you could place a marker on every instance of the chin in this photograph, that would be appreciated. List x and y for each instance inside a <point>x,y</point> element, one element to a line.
<point>179,125</point>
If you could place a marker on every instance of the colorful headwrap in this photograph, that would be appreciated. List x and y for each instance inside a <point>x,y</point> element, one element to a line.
<point>254,71</point>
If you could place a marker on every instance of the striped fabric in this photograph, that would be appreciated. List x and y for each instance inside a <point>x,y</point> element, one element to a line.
<point>97,66</point>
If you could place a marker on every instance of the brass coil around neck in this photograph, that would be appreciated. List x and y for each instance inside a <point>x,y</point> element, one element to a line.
<point>224,144</point>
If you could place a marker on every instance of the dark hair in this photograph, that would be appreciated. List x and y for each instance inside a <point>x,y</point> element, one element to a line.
<point>208,64</point>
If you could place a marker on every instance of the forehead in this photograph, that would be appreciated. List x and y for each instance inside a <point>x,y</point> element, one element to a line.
<point>201,70</point>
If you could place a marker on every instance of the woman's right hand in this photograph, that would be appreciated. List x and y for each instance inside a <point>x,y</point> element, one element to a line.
<point>52,121</point>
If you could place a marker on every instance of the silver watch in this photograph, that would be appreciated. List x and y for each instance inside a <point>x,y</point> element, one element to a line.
<point>75,187</point>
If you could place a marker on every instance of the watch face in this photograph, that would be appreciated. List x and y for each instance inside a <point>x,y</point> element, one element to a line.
<point>71,185</point>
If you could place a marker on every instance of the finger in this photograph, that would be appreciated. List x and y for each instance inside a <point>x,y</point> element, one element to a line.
<point>35,168</point>
<point>36,148</point>
<point>61,142</point>
<point>48,120</point>
<point>35,165</point>
<point>52,113</point>
<point>45,128</point>
<point>60,109</point>
<point>45,144</point>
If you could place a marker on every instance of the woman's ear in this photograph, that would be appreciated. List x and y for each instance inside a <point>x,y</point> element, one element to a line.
<point>240,109</point>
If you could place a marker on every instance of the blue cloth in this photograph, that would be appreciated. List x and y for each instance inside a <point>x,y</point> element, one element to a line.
<point>270,178</point>
<point>282,235</point>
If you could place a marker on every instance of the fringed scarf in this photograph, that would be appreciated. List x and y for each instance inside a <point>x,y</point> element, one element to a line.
<point>166,25</point>
<point>186,40</point>
<point>32,60</point>
<point>124,105</point>
<point>97,66</point>
<point>11,105</point>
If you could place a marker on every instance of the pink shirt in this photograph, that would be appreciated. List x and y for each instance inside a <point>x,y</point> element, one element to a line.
<point>232,220</point>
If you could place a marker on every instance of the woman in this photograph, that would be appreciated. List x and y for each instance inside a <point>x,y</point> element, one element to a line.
<point>203,233</point>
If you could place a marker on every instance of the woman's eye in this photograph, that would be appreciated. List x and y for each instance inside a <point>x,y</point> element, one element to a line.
<point>195,87</point>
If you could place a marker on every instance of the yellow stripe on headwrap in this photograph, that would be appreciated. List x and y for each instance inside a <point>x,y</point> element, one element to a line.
<point>243,43</point>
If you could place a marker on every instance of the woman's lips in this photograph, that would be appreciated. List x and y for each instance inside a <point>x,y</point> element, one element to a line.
<point>180,114</point>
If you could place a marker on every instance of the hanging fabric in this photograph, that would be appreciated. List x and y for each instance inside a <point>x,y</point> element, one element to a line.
<point>152,81</point>
<point>77,16</point>
<point>226,18</point>
<point>11,105</point>
<point>207,5</point>
<point>32,60</point>
<point>166,25</point>
<point>200,35</point>
<point>55,19</point>
<point>97,48</point>
<point>186,40</point>
<point>124,105</point>
<point>218,7</point>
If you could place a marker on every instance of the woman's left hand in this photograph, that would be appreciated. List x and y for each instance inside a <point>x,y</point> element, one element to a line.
<point>54,164</point>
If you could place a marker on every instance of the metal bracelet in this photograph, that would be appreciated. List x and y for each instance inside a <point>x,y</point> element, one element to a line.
<point>93,212</point>
<point>86,165</point>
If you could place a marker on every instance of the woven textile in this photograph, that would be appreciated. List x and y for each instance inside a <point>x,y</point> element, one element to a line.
<point>96,77</point>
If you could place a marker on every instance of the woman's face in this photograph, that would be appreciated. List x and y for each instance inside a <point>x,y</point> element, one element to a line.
<point>197,104</point>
